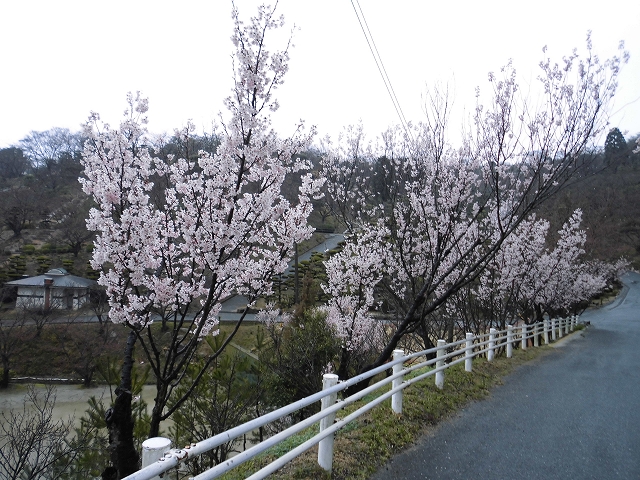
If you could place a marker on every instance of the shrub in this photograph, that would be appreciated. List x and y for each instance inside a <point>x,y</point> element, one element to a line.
<point>28,249</point>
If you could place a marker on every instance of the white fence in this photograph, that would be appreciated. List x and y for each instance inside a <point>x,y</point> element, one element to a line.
<point>447,355</point>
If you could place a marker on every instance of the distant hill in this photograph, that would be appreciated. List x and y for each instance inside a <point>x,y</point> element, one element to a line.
<point>609,197</point>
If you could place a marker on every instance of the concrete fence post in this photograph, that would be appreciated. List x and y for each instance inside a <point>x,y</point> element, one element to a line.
<point>396,398</point>
<point>546,331</point>
<point>325,447</point>
<point>553,329</point>
<point>509,341</point>
<point>523,343</point>
<point>440,364</point>
<point>153,449</point>
<point>468,353</point>
<point>536,334</point>
<point>573,323</point>
<point>567,325</point>
<point>492,344</point>
<point>560,328</point>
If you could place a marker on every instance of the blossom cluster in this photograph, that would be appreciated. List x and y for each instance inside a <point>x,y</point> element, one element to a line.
<point>527,276</point>
<point>435,218</point>
<point>177,236</point>
<point>353,274</point>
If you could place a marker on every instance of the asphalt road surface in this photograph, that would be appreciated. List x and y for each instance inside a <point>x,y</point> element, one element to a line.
<point>571,414</point>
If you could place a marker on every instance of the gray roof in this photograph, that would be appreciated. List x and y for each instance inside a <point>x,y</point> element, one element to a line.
<point>61,279</point>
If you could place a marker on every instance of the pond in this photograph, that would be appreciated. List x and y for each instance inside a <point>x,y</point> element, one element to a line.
<point>71,400</point>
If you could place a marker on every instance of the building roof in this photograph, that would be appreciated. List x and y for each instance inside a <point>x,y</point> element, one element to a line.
<point>61,279</point>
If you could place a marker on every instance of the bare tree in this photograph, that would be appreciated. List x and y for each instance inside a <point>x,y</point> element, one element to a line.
<point>13,163</point>
<point>72,225</point>
<point>33,445</point>
<point>85,345</point>
<point>47,148</point>
<point>14,335</point>
<point>19,207</point>
<point>55,156</point>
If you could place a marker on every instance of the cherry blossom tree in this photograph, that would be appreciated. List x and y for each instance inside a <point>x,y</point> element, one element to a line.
<point>528,278</point>
<point>175,237</point>
<point>561,279</point>
<point>495,298</point>
<point>448,211</point>
<point>345,167</point>
<point>551,280</point>
<point>352,274</point>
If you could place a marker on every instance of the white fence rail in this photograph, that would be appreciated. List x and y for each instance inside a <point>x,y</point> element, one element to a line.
<point>446,355</point>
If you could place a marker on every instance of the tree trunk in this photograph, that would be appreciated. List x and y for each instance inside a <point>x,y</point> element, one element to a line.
<point>87,379</point>
<point>156,413</point>
<point>296,293</point>
<point>343,369</point>
<point>539,313</point>
<point>4,383</point>
<point>120,420</point>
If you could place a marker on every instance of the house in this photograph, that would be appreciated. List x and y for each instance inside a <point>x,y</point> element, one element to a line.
<point>55,289</point>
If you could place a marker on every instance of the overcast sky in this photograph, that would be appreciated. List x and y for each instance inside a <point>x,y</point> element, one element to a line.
<point>61,59</point>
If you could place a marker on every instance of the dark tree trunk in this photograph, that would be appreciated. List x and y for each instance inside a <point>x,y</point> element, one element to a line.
<point>423,332</point>
<point>296,293</point>
<point>4,383</point>
<point>120,419</point>
<point>156,413</point>
<point>450,331</point>
<point>539,313</point>
<point>87,378</point>
<point>343,369</point>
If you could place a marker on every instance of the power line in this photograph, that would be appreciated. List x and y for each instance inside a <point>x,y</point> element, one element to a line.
<point>385,76</point>
<point>378,59</point>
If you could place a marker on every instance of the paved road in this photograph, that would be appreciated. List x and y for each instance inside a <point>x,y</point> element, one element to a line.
<point>572,414</point>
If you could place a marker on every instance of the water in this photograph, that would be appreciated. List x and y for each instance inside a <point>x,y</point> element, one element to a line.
<point>71,400</point>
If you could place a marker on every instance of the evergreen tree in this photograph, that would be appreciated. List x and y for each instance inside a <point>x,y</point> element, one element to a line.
<point>615,146</point>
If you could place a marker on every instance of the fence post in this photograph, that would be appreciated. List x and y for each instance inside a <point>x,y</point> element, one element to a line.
<point>492,344</point>
<point>546,331</point>
<point>509,341</point>
<point>536,334</point>
<point>524,336</point>
<point>553,329</point>
<point>440,364</point>
<point>560,327</point>
<point>567,322</point>
<point>153,449</point>
<point>325,447</point>
<point>396,398</point>
<point>468,353</point>
<point>573,322</point>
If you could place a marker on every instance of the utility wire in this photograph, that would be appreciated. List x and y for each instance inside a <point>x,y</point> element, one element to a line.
<point>385,76</point>
<point>378,59</point>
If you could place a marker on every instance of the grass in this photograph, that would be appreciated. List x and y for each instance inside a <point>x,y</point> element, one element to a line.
<point>247,334</point>
<point>366,444</point>
<point>59,346</point>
